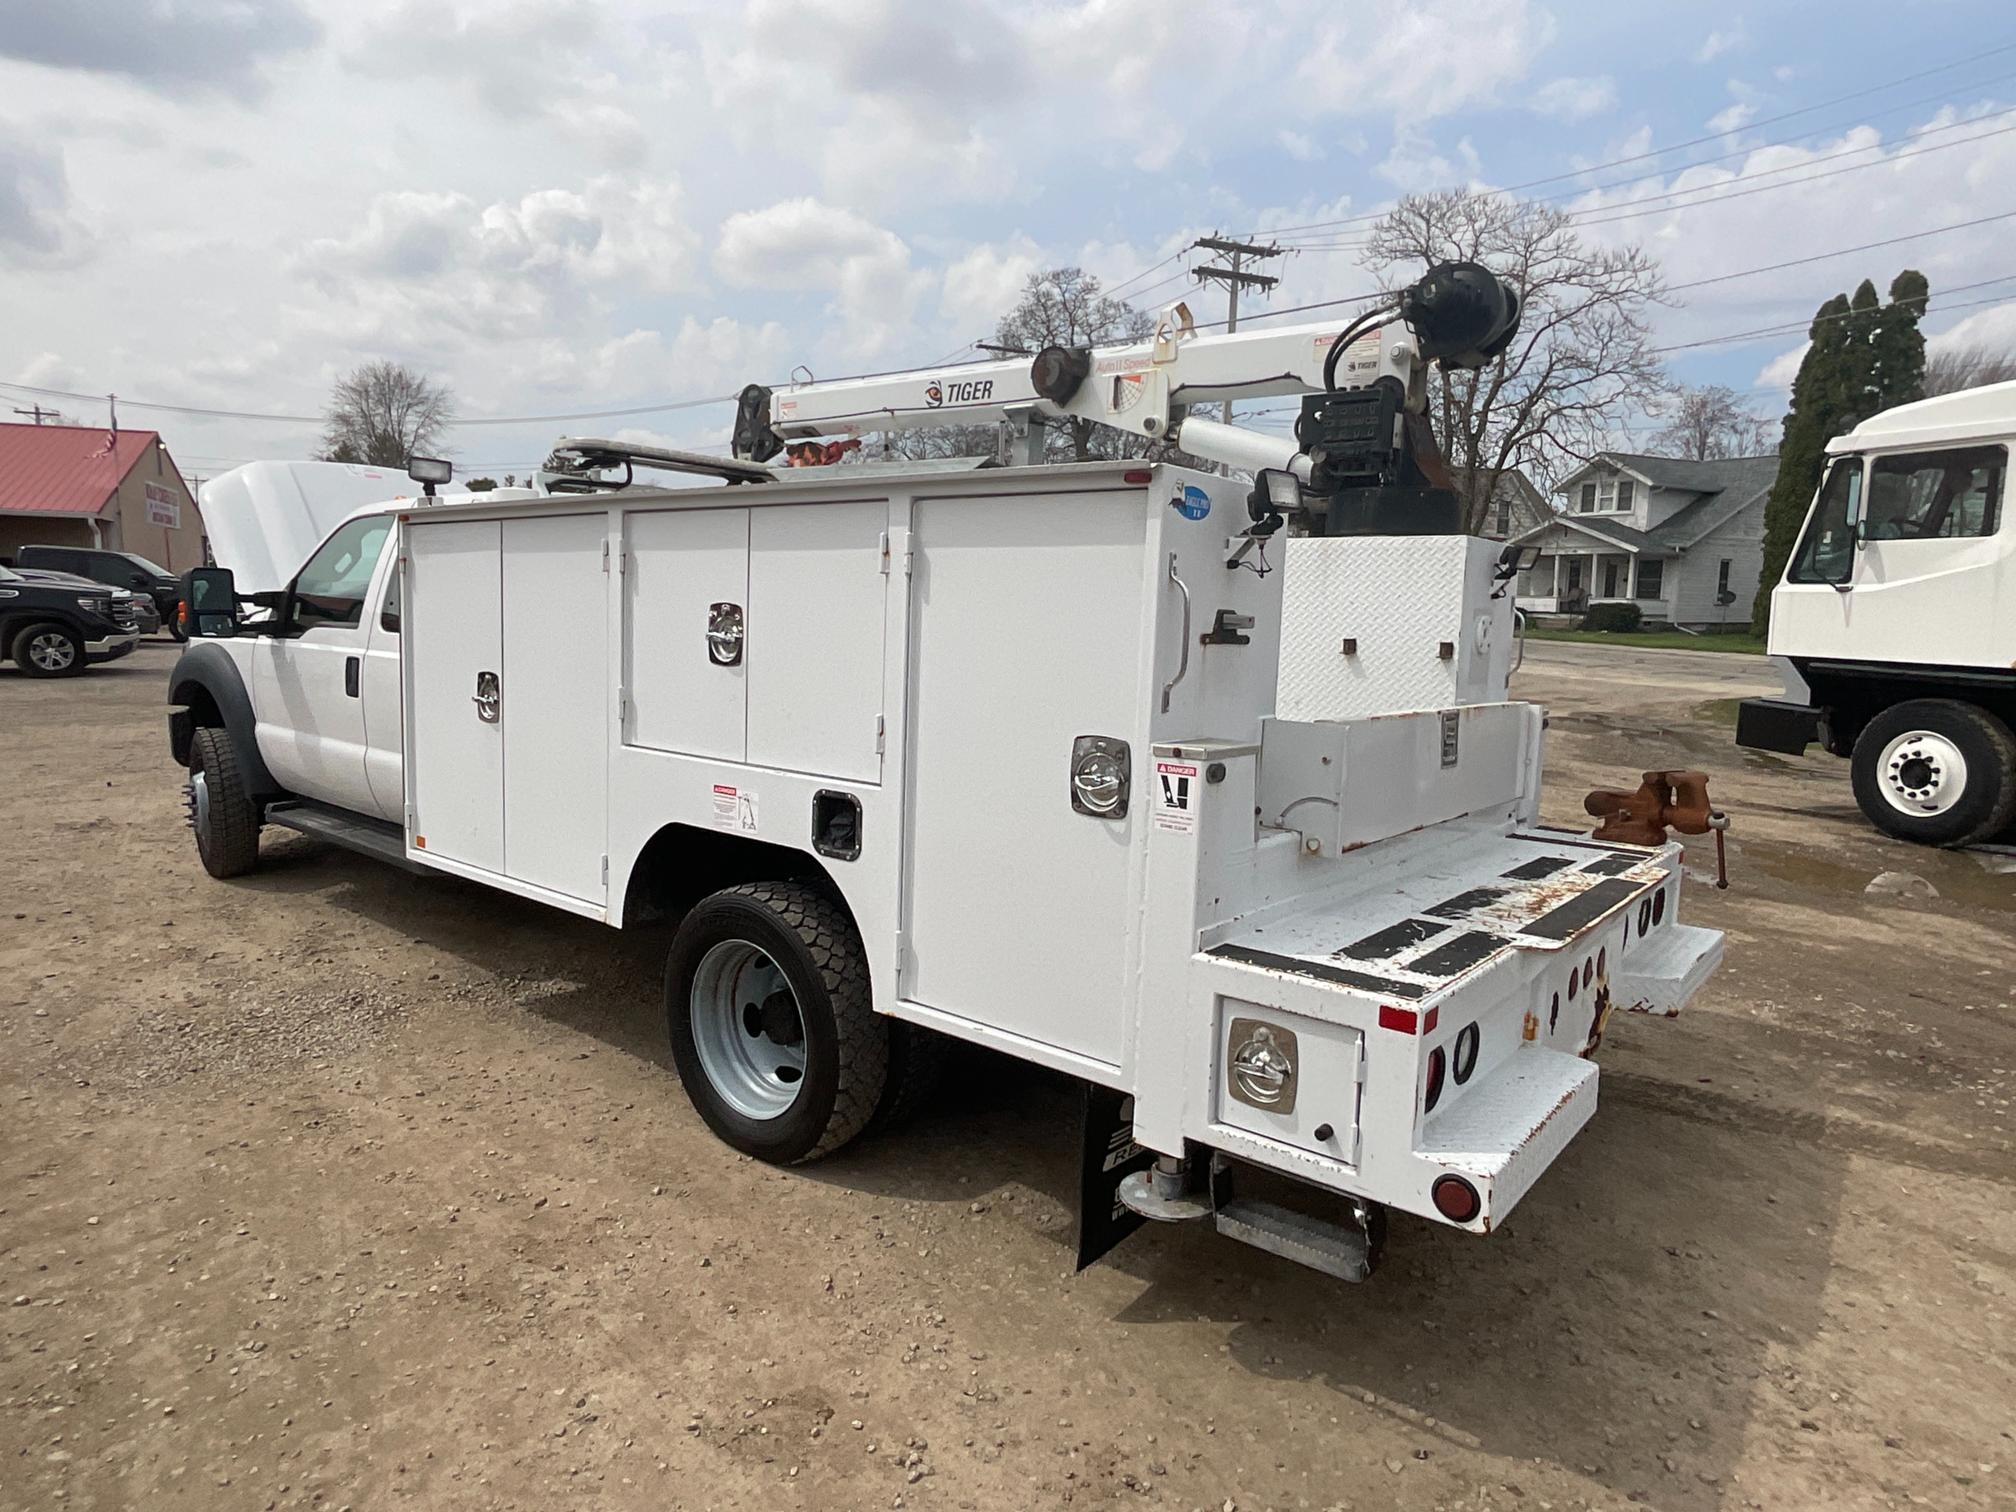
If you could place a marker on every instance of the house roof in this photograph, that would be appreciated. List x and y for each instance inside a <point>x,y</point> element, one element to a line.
<point>1602,529</point>
<point>65,469</point>
<point>1721,486</point>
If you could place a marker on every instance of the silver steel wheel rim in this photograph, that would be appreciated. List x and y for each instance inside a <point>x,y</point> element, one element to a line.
<point>748,1030</point>
<point>1922,773</point>
<point>51,652</point>
<point>199,804</point>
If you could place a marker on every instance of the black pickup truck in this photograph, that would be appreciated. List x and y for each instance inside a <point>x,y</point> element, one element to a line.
<point>50,630</point>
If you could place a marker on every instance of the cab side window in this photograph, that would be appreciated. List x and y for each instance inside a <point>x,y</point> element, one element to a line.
<point>1934,495</point>
<point>1826,552</point>
<point>330,590</point>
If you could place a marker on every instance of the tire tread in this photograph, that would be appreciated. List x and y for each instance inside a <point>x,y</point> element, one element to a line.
<point>234,817</point>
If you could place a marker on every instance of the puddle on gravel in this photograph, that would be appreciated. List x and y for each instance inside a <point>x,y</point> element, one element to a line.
<point>1955,873</point>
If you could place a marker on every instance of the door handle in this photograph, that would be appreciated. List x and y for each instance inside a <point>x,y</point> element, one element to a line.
<point>351,665</point>
<point>489,699</point>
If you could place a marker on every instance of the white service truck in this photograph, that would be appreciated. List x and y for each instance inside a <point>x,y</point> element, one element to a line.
<point>990,753</point>
<point>1895,625</point>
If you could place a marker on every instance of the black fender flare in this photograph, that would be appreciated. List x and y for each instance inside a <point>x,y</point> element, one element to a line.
<point>210,670</point>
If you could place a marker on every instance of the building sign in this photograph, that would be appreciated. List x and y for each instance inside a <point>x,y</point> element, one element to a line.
<point>163,508</point>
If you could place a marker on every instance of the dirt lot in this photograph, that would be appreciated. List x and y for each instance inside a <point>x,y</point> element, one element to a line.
<point>337,1188</point>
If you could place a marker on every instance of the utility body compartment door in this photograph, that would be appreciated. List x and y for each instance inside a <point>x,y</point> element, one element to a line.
<point>1026,633</point>
<point>453,623</point>
<point>507,643</point>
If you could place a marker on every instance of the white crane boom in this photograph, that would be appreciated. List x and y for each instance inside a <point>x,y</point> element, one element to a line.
<point>1362,431</point>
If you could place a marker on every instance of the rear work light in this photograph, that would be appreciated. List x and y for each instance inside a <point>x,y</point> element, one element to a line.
<point>1456,1199</point>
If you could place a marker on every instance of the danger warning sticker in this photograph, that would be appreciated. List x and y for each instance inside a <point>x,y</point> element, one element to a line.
<point>1176,795</point>
<point>734,808</point>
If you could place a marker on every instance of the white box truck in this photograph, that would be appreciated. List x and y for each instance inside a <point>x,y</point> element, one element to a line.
<point>987,753</point>
<point>1895,625</point>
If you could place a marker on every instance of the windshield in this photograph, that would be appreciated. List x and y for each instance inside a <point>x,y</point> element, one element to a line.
<point>144,565</point>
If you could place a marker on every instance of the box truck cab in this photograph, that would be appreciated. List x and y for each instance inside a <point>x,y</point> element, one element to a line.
<point>1895,624</point>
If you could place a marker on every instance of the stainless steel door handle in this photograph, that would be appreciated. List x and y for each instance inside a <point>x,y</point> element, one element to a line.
<point>1183,666</point>
<point>489,699</point>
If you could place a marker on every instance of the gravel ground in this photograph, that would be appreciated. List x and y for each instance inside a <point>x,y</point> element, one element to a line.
<point>333,1187</point>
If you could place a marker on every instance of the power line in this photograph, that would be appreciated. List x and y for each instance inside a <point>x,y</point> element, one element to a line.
<point>1591,218</point>
<point>1912,104</point>
<point>1798,262</point>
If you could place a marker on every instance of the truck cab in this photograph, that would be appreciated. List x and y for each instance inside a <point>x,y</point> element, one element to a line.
<point>1895,624</point>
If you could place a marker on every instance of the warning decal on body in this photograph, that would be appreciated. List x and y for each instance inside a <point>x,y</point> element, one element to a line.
<point>734,808</point>
<point>1176,795</point>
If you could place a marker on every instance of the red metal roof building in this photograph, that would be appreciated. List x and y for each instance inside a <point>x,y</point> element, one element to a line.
<point>77,485</point>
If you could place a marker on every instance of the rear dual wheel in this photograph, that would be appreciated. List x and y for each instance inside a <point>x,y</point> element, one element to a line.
<point>772,1027</point>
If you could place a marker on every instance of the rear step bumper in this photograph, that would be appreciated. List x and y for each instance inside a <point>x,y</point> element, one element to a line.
<point>367,836</point>
<point>1503,1134</point>
<point>1659,975</point>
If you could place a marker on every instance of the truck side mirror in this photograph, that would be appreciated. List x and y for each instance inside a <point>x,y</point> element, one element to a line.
<point>209,601</point>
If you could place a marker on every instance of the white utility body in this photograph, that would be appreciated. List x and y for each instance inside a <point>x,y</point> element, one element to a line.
<point>1020,727</point>
<point>1895,624</point>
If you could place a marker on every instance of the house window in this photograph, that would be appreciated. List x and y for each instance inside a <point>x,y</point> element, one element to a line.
<point>1624,492</point>
<point>1588,505</point>
<point>1504,517</point>
<point>1651,579</point>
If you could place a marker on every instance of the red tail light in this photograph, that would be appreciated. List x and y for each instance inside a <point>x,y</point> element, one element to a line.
<point>1455,1199</point>
<point>1437,1068</point>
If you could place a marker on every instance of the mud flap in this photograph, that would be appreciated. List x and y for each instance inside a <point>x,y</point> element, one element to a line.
<point>1107,1156</point>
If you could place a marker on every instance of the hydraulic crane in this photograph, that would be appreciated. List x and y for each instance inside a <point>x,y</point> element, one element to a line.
<point>1363,457</point>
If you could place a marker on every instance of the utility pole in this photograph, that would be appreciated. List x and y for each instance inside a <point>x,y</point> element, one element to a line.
<point>39,413</point>
<point>1235,277</point>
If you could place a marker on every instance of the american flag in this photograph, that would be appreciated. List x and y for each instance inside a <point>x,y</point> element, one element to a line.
<point>112,435</point>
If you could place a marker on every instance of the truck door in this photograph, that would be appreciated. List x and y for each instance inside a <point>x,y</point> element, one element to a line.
<point>307,682</point>
<point>384,714</point>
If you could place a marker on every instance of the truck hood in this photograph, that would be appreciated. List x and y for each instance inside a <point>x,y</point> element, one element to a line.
<point>264,519</point>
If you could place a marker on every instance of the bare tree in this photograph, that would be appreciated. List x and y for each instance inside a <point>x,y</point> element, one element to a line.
<point>1583,355</point>
<point>1061,307</point>
<point>384,412</point>
<point>1711,422</point>
<point>1952,369</point>
<point>1069,307</point>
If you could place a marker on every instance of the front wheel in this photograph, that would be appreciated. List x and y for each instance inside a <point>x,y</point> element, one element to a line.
<point>221,810</point>
<point>773,1032</point>
<point>1936,771</point>
<point>49,651</point>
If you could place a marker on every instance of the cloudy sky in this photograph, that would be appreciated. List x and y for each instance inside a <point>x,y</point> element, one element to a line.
<point>561,206</point>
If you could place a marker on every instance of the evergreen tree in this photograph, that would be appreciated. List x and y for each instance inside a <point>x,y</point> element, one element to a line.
<point>1865,357</point>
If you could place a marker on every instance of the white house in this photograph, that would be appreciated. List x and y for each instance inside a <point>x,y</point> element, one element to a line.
<point>1683,540</point>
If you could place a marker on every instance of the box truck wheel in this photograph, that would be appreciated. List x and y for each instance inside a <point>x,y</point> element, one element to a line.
<point>1936,771</point>
<point>766,998</point>
<point>221,812</point>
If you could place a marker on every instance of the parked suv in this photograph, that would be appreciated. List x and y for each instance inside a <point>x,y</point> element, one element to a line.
<point>121,569</point>
<point>54,630</point>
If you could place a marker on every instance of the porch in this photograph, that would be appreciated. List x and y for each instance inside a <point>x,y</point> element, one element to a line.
<point>1570,581</point>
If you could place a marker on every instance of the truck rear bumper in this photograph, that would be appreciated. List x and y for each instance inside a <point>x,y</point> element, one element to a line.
<point>1506,1132</point>
<point>1777,724</point>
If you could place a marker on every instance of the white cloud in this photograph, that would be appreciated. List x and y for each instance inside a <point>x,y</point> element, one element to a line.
<point>1299,147</point>
<point>805,243</point>
<point>984,284</point>
<point>1734,118</point>
<point>1724,40</point>
<point>1572,99</point>
<point>1991,330</point>
<point>1779,372</point>
<point>1367,59</point>
<point>1415,162</point>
